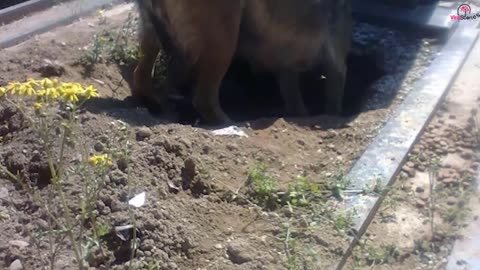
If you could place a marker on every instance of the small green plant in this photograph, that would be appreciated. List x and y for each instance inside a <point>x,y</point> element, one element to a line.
<point>303,191</point>
<point>94,54</point>
<point>343,220</point>
<point>119,46</point>
<point>381,255</point>
<point>263,185</point>
<point>339,183</point>
<point>300,254</point>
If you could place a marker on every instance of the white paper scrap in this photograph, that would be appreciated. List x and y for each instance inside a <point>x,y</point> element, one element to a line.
<point>138,200</point>
<point>229,131</point>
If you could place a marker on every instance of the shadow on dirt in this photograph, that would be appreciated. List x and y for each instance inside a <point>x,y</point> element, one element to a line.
<point>255,97</point>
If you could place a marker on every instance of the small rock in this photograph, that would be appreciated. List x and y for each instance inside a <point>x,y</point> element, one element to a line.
<point>18,243</point>
<point>232,147</point>
<point>3,194</point>
<point>99,147</point>
<point>301,142</point>
<point>474,166</point>
<point>331,146</point>
<point>451,200</point>
<point>424,197</point>
<point>42,224</point>
<point>409,171</point>
<point>122,164</point>
<point>240,253</point>
<point>466,155</point>
<point>148,245</point>
<point>16,265</point>
<point>419,189</point>
<point>410,164</point>
<point>421,168</point>
<point>172,265</point>
<point>218,246</point>
<point>143,133</point>
<point>419,203</point>
<point>449,180</point>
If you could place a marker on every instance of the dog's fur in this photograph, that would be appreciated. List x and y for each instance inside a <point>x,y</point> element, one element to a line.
<point>285,37</point>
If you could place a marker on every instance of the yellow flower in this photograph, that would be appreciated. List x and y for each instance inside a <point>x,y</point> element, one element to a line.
<point>3,91</point>
<point>69,93</point>
<point>90,92</point>
<point>37,105</point>
<point>47,83</point>
<point>26,90</point>
<point>52,93</point>
<point>100,160</point>
<point>12,87</point>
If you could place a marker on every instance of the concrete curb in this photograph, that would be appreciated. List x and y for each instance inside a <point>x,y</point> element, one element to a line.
<point>15,12</point>
<point>40,23</point>
<point>382,160</point>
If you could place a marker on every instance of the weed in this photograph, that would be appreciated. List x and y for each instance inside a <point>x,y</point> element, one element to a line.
<point>303,191</point>
<point>119,46</point>
<point>94,54</point>
<point>339,183</point>
<point>300,255</point>
<point>382,254</point>
<point>57,134</point>
<point>263,185</point>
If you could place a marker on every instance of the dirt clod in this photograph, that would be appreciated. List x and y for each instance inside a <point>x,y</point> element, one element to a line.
<point>18,244</point>
<point>419,189</point>
<point>240,252</point>
<point>420,203</point>
<point>409,171</point>
<point>143,133</point>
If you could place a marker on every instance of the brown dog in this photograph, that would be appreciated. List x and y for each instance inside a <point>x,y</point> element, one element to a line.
<point>285,37</point>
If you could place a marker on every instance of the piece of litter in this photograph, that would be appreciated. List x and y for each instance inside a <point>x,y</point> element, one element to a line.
<point>138,200</point>
<point>229,131</point>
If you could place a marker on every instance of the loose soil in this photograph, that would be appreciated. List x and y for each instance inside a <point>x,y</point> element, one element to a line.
<point>192,222</point>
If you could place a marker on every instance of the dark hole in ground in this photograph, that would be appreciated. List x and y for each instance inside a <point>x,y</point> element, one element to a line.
<point>246,96</point>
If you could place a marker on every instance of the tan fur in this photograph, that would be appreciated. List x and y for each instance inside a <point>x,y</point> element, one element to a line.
<point>281,36</point>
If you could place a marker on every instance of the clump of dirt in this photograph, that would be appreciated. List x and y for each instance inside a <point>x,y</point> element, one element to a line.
<point>196,214</point>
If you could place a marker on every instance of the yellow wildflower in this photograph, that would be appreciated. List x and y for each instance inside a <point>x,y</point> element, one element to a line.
<point>12,87</point>
<point>37,105</point>
<point>69,93</point>
<point>52,93</point>
<point>26,90</point>
<point>47,83</point>
<point>100,160</point>
<point>3,91</point>
<point>90,92</point>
